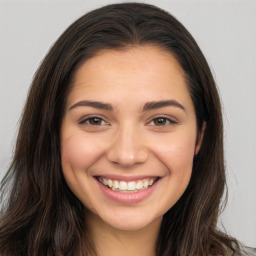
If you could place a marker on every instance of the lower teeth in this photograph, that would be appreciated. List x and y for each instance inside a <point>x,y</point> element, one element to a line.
<point>127,191</point>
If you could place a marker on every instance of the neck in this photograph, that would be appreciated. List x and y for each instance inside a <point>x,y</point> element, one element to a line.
<point>111,241</point>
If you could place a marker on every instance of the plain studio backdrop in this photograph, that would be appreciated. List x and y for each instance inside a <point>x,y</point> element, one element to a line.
<point>225,31</point>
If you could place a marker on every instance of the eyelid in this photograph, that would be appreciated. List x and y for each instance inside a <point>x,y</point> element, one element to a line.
<point>87,117</point>
<point>84,119</point>
<point>171,120</point>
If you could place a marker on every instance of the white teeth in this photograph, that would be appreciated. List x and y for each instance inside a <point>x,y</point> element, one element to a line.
<point>110,182</point>
<point>131,185</point>
<point>116,184</point>
<point>145,184</point>
<point>127,186</point>
<point>123,185</point>
<point>139,185</point>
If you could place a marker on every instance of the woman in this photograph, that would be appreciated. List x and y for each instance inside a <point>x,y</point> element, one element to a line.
<point>120,147</point>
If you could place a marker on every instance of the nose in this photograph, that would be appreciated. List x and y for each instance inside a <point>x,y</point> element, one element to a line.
<point>127,148</point>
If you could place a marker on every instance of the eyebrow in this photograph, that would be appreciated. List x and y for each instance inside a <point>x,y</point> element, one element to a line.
<point>160,104</point>
<point>148,106</point>
<point>94,104</point>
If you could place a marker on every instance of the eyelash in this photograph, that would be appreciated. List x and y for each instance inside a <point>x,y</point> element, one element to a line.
<point>167,121</point>
<point>91,118</point>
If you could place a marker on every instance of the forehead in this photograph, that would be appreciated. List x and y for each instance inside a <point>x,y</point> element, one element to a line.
<point>148,58</point>
<point>146,71</point>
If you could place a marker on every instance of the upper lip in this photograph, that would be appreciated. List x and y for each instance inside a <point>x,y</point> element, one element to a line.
<point>126,178</point>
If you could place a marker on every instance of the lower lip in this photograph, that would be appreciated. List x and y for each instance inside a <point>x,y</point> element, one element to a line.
<point>127,198</point>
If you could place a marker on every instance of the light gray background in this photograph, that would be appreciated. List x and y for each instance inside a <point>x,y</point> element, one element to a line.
<point>224,29</point>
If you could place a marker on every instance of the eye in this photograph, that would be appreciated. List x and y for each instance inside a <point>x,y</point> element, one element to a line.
<point>94,121</point>
<point>161,121</point>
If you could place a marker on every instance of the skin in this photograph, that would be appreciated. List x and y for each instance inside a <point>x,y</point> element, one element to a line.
<point>129,142</point>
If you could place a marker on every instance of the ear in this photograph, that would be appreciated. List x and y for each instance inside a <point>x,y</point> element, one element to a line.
<point>199,139</point>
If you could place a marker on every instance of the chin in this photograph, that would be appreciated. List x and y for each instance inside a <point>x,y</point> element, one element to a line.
<point>129,219</point>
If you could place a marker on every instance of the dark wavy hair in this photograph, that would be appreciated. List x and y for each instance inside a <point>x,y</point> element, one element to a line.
<point>40,215</point>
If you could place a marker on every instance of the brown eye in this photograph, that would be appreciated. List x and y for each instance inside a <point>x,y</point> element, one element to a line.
<point>161,121</point>
<point>94,121</point>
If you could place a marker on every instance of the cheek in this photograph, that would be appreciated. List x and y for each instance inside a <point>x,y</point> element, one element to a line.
<point>177,153</point>
<point>78,152</point>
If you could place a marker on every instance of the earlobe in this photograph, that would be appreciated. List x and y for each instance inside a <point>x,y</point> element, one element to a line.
<point>200,137</point>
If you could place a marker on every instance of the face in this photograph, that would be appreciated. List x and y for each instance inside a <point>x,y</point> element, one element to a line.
<point>129,136</point>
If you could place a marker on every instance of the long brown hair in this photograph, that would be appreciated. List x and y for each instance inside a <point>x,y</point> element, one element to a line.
<point>40,215</point>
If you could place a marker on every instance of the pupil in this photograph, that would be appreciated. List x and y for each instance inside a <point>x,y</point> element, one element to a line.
<point>160,121</point>
<point>95,121</point>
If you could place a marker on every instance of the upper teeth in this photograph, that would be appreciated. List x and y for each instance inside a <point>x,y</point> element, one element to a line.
<point>127,186</point>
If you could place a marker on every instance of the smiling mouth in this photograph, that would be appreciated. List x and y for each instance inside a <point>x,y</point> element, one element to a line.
<point>128,187</point>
